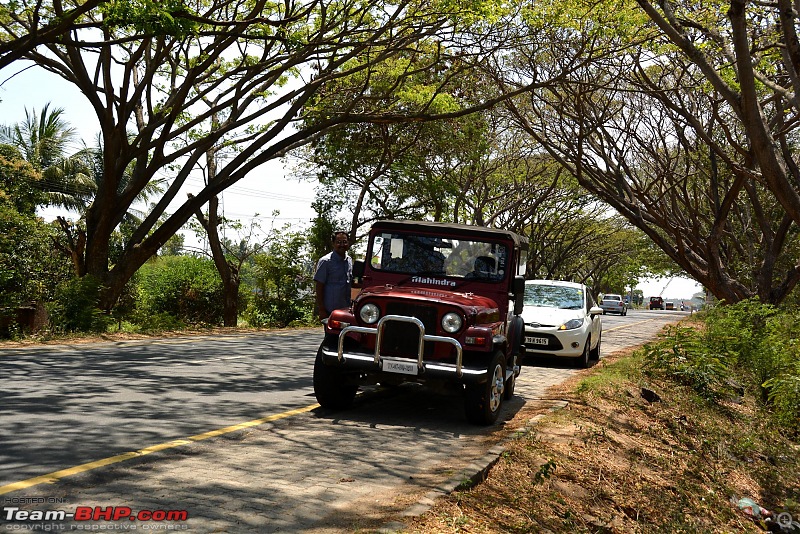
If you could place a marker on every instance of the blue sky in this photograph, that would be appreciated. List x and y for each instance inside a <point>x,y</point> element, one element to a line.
<point>32,88</point>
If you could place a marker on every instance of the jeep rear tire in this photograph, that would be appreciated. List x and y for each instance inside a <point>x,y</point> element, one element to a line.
<point>511,383</point>
<point>482,402</point>
<point>330,387</point>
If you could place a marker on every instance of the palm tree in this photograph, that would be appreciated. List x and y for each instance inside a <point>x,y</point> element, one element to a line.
<point>44,139</point>
<point>68,181</point>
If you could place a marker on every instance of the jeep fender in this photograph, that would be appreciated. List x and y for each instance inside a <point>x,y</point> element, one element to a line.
<point>512,343</point>
<point>516,335</point>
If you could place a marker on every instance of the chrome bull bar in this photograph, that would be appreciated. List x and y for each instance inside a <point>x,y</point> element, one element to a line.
<point>423,337</point>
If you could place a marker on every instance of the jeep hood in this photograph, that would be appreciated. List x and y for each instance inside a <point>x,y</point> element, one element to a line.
<point>468,301</point>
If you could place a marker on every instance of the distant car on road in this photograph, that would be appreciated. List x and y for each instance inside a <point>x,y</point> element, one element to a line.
<point>612,303</point>
<point>656,303</point>
<point>670,305</point>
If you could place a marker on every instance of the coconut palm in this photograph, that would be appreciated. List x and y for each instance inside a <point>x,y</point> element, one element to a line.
<point>44,139</point>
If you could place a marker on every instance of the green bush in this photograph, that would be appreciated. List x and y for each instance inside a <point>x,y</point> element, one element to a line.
<point>683,354</point>
<point>158,322</point>
<point>759,338</point>
<point>29,269</point>
<point>750,342</point>
<point>74,308</point>
<point>282,295</point>
<point>177,290</point>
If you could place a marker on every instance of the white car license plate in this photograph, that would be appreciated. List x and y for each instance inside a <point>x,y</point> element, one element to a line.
<point>536,340</point>
<point>399,366</point>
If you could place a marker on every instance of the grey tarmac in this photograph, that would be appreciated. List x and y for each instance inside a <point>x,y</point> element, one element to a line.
<point>368,468</point>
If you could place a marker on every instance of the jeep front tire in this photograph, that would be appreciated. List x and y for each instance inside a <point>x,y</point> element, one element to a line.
<point>483,401</point>
<point>330,386</point>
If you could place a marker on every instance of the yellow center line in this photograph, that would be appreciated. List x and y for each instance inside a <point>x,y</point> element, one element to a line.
<point>627,325</point>
<point>55,476</point>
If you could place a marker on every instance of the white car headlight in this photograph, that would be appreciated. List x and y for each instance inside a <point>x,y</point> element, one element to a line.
<point>572,324</point>
<point>451,322</point>
<point>370,313</point>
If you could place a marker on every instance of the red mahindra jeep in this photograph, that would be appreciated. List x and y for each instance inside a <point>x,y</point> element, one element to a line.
<point>439,303</point>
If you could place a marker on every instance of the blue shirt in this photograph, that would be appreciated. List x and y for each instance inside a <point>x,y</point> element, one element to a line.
<point>336,273</point>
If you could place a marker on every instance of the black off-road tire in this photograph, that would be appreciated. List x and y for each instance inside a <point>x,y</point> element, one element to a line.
<point>511,382</point>
<point>330,387</point>
<point>482,402</point>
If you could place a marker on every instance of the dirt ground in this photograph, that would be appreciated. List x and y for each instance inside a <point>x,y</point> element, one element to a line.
<point>614,462</point>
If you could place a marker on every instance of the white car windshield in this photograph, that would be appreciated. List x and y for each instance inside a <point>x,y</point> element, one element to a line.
<point>550,296</point>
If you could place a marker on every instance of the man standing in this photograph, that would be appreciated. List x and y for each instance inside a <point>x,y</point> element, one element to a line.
<point>333,277</point>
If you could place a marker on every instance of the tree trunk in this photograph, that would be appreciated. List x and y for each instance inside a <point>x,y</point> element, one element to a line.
<point>228,272</point>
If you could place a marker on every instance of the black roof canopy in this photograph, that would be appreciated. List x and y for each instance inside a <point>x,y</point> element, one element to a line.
<point>452,229</point>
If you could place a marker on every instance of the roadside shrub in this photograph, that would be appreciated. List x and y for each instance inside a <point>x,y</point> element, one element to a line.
<point>784,396</point>
<point>740,330</point>
<point>282,295</point>
<point>158,322</point>
<point>177,290</point>
<point>74,308</point>
<point>30,271</point>
<point>760,338</point>
<point>683,354</point>
<point>750,342</point>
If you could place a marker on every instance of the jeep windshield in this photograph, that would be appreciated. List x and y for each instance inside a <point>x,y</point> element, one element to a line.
<point>418,254</point>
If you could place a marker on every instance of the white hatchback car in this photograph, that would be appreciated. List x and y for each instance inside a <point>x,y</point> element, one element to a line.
<point>561,319</point>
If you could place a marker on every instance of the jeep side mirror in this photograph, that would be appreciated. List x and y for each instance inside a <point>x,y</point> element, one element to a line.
<point>358,272</point>
<point>358,268</point>
<point>519,292</point>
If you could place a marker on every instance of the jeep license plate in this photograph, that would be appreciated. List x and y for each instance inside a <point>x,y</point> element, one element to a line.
<point>400,366</point>
<point>536,340</point>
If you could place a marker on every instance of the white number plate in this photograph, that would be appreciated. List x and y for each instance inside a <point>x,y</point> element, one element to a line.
<point>536,340</point>
<point>399,366</point>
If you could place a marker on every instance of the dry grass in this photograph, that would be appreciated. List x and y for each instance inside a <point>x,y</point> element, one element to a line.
<point>613,462</point>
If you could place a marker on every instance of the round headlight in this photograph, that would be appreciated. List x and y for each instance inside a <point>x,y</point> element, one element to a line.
<point>451,322</point>
<point>572,324</point>
<point>370,313</point>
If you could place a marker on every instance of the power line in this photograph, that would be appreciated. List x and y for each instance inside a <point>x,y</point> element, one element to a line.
<point>238,190</point>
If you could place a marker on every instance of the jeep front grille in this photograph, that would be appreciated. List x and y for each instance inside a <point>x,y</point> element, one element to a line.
<point>402,339</point>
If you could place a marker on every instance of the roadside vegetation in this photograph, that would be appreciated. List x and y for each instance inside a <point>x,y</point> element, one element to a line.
<point>674,437</point>
<point>624,139</point>
<point>248,276</point>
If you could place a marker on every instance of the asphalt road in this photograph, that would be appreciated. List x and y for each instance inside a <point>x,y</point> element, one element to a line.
<point>226,428</point>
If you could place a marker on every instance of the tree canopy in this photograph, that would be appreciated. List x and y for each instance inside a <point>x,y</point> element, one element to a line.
<point>242,74</point>
<point>682,117</point>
